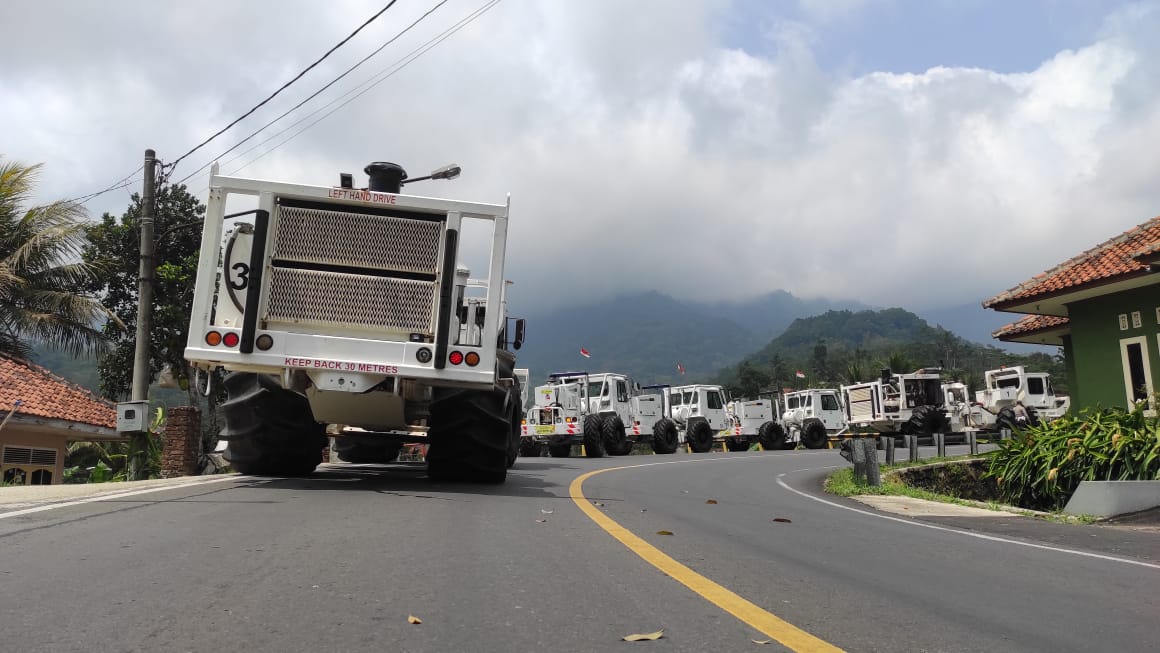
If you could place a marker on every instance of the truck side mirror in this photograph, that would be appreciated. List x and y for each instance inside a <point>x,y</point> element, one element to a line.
<point>518,341</point>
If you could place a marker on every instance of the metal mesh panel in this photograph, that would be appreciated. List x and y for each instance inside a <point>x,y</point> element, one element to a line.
<point>367,241</point>
<point>861,405</point>
<point>350,299</point>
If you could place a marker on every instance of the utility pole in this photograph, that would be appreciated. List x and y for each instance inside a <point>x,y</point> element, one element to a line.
<point>144,313</point>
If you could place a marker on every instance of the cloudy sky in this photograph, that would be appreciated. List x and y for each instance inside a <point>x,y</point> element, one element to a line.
<point>898,152</point>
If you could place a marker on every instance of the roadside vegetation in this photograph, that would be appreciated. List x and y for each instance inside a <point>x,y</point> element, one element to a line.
<point>42,277</point>
<point>1037,470</point>
<point>1042,466</point>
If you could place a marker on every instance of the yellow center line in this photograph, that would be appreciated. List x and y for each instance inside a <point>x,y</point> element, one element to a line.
<point>756,617</point>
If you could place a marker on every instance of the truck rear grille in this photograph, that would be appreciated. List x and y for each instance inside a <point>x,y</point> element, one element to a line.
<point>376,242</point>
<point>861,403</point>
<point>339,298</point>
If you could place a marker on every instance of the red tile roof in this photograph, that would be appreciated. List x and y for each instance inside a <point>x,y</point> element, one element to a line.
<point>1104,262</point>
<point>1030,324</point>
<point>42,393</point>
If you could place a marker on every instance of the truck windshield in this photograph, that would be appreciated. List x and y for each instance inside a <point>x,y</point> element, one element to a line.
<point>594,388</point>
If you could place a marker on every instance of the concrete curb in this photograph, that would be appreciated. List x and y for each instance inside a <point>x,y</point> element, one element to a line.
<point>12,498</point>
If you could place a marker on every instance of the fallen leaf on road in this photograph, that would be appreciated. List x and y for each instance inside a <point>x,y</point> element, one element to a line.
<point>762,641</point>
<point>711,502</point>
<point>547,511</point>
<point>412,619</point>
<point>664,532</point>
<point>782,520</point>
<point>642,637</point>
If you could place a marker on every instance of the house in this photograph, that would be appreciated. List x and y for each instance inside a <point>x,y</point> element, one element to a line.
<point>1103,308</point>
<point>40,413</point>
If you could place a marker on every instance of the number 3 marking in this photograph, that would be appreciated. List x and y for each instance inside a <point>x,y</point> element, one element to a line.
<point>243,280</point>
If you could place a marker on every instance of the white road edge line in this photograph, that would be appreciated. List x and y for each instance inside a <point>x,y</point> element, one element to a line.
<point>110,497</point>
<point>981,536</point>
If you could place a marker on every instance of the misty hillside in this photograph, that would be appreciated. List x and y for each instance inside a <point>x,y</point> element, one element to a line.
<point>644,335</point>
<point>845,346</point>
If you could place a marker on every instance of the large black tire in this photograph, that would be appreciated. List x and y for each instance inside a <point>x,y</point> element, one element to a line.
<point>1032,417</point>
<point>514,410</point>
<point>926,420</point>
<point>593,436</point>
<point>814,434</point>
<point>772,436</point>
<point>737,443</point>
<point>529,448</point>
<point>616,442</point>
<point>699,436</point>
<point>559,450</point>
<point>1005,419</point>
<point>372,450</point>
<point>270,430</point>
<point>470,434</point>
<point>665,438</point>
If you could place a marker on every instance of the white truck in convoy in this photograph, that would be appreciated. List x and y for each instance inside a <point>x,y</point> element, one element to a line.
<point>908,404</point>
<point>811,416</point>
<point>993,408</point>
<point>704,415</point>
<point>605,412</point>
<point>345,311</point>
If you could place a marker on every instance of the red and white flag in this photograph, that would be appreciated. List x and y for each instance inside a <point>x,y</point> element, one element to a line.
<point>584,353</point>
<point>800,374</point>
<point>680,368</point>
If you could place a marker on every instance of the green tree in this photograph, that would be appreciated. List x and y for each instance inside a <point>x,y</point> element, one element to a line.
<point>778,370</point>
<point>41,272</point>
<point>820,359</point>
<point>898,363</point>
<point>751,379</point>
<point>114,246</point>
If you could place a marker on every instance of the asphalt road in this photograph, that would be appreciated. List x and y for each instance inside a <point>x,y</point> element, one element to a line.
<point>339,561</point>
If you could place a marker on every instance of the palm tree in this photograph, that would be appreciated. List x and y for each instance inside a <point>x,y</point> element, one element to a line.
<point>41,272</point>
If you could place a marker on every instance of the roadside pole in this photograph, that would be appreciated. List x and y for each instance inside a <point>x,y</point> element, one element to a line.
<point>140,391</point>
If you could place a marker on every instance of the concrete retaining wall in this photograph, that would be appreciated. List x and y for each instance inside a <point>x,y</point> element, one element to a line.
<point>1111,498</point>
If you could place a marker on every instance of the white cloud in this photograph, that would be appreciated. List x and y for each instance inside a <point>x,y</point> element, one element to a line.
<point>640,150</point>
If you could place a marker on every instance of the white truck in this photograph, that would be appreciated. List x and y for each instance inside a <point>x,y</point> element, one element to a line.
<point>908,404</point>
<point>700,414</point>
<point>811,416</point>
<point>994,406</point>
<point>755,421</point>
<point>605,412</point>
<point>345,311</point>
<point>703,415</point>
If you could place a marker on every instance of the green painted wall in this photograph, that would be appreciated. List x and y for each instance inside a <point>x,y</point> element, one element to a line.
<point>1069,367</point>
<point>1097,370</point>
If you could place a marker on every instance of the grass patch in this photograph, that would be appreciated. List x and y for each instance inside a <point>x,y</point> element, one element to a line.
<point>841,483</point>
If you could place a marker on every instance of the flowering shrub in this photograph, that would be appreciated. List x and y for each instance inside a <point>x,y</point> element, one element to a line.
<point>1042,465</point>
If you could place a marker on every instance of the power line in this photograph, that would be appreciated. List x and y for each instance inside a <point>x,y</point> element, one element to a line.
<point>316,93</point>
<point>399,65</point>
<point>121,183</point>
<point>286,85</point>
